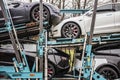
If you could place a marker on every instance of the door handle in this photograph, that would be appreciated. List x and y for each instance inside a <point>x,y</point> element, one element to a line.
<point>108,14</point>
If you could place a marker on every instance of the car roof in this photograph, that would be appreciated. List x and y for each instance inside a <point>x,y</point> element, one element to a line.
<point>109,3</point>
<point>112,48</point>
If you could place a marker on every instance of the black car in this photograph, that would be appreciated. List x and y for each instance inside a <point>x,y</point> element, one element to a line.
<point>107,60</point>
<point>26,14</point>
<point>58,61</point>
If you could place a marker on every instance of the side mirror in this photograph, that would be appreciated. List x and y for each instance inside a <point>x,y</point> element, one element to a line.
<point>89,14</point>
<point>15,4</point>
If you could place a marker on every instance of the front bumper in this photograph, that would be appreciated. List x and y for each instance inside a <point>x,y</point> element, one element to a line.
<point>55,18</point>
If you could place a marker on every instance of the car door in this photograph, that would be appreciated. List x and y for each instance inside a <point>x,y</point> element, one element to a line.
<point>18,12</point>
<point>117,17</point>
<point>104,22</point>
<point>105,19</point>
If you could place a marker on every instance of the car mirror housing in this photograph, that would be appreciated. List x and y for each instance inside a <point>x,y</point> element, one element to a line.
<point>89,14</point>
<point>15,4</point>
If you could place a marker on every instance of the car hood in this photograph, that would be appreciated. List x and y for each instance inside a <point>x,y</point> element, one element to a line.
<point>73,19</point>
<point>78,18</point>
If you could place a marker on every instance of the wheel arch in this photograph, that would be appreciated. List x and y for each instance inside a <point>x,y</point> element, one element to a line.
<point>109,65</point>
<point>71,22</point>
<point>37,4</point>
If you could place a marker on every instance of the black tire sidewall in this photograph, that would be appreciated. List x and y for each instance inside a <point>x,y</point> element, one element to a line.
<point>53,68</point>
<point>110,69</point>
<point>31,13</point>
<point>79,33</point>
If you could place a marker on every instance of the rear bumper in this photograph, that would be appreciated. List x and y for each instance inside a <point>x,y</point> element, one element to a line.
<point>55,19</point>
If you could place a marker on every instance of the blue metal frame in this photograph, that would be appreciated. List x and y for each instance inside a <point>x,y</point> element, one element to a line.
<point>81,11</point>
<point>88,62</point>
<point>97,39</point>
<point>20,68</point>
<point>41,42</point>
<point>19,26</point>
<point>87,65</point>
<point>10,71</point>
<point>24,71</point>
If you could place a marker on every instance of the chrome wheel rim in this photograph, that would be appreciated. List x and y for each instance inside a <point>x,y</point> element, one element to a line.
<point>70,30</point>
<point>35,14</point>
<point>51,71</point>
<point>108,74</point>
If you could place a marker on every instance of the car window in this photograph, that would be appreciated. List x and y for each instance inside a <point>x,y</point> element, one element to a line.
<point>113,48</point>
<point>104,8</point>
<point>110,51</point>
<point>117,7</point>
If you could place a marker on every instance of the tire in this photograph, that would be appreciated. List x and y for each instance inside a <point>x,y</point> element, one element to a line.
<point>51,71</point>
<point>35,13</point>
<point>108,72</point>
<point>70,30</point>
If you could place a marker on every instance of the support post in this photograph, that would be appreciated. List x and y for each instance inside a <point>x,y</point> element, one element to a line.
<point>88,59</point>
<point>20,59</point>
<point>42,45</point>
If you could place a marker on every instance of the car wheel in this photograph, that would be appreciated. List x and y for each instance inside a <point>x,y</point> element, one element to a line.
<point>51,71</point>
<point>109,73</point>
<point>70,30</point>
<point>35,13</point>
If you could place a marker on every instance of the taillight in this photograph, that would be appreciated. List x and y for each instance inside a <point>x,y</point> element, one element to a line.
<point>2,76</point>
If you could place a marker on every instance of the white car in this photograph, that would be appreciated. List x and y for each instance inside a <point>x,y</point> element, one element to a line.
<point>107,60</point>
<point>107,21</point>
